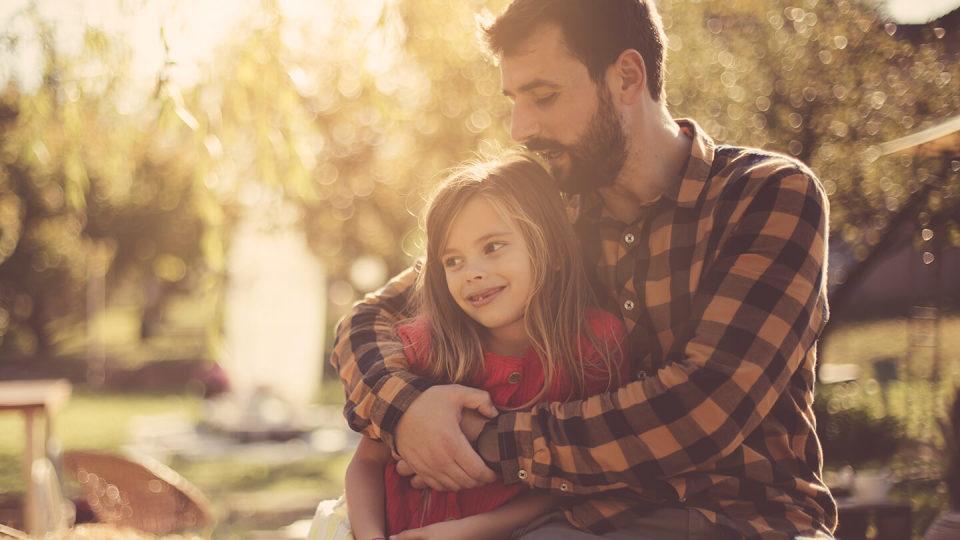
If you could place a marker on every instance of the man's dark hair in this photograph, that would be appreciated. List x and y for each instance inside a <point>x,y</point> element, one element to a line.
<point>595,31</point>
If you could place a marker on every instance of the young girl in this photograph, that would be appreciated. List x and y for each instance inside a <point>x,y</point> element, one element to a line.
<point>503,305</point>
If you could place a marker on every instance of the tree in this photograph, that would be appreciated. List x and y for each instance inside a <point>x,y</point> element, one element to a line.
<point>351,117</point>
<point>826,82</point>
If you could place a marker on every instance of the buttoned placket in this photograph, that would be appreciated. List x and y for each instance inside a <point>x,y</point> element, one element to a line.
<point>629,243</point>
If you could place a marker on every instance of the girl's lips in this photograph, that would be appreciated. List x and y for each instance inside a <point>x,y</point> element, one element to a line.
<point>485,296</point>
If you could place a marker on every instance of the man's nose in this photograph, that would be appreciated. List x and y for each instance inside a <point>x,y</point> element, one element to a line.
<point>524,124</point>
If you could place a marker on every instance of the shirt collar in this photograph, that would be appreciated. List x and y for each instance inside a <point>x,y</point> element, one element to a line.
<point>687,192</point>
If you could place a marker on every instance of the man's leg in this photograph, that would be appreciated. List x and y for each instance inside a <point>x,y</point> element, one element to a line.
<point>662,524</point>
<point>552,526</point>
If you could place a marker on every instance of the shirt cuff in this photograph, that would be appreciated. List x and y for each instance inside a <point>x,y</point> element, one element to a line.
<point>497,446</point>
<point>387,415</point>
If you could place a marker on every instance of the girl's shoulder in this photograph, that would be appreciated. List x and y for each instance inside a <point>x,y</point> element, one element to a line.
<point>605,325</point>
<point>610,335</point>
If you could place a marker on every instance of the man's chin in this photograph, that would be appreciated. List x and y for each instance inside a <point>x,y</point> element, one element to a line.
<point>573,185</point>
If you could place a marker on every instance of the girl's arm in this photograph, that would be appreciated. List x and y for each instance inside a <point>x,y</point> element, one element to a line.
<point>365,491</point>
<point>496,524</point>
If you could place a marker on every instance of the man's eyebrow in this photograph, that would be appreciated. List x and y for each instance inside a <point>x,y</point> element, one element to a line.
<point>536,83</point>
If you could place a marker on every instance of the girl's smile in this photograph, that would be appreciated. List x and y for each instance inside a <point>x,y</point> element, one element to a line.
<point>485,296</point>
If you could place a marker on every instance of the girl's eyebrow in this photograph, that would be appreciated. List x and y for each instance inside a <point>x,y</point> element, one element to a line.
<point>490,235</point>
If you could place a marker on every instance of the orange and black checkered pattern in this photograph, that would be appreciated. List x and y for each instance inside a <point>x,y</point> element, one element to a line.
<point>721,283</point>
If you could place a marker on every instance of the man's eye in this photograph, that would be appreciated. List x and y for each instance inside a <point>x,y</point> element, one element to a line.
<point>546,99</point>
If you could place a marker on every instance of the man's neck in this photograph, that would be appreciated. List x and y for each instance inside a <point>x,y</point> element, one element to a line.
<point>657,154</point>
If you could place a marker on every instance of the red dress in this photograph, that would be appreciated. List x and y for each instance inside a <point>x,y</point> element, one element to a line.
<point>511,381</point>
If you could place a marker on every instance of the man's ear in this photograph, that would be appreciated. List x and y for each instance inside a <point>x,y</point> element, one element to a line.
<point>629,74</point>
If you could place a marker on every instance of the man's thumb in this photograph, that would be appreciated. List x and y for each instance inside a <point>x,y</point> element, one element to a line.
<point>479,401</point>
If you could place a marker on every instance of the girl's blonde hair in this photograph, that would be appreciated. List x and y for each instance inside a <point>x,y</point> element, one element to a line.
<point>555,318</point>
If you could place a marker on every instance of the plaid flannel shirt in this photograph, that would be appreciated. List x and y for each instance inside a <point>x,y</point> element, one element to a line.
<point>721,283</point>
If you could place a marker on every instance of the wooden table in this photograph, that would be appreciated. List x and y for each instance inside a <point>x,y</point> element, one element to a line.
<point>35,400</point>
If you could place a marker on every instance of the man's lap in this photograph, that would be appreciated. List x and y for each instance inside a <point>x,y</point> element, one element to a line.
<point>663,524</point>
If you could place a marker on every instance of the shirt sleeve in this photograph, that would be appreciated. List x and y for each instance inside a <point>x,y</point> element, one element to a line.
<point>757,313</point>
<point>369,357</point>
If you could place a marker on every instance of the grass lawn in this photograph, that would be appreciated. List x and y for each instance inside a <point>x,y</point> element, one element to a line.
<point>95,421</point>
<point>245,495</point>
<point>861,342</point>
<point>916,398</point>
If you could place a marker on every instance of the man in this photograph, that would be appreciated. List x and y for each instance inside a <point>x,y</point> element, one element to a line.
<point>715,258</point>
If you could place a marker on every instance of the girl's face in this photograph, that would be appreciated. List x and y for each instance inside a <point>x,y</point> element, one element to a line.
<point>489,272</point>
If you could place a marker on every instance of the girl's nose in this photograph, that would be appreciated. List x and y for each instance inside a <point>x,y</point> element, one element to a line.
<point>475,273</point>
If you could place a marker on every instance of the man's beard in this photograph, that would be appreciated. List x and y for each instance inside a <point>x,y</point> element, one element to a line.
<point>597,157</point>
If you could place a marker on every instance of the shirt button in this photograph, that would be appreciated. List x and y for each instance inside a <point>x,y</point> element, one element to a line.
<point>629,238</point>
<point>629,305</point>
<point>522,474</point>
<point>514,377</point>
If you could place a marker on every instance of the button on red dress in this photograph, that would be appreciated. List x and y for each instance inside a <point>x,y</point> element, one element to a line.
<point>511,381</point>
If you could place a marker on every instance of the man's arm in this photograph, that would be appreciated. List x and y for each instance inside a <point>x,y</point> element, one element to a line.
<point>758,311</point>
<point>369,357</point>
<point>385,401</point>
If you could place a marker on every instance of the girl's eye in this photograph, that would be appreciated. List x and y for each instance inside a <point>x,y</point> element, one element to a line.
<point>450,262</point>
<point>494,246</point>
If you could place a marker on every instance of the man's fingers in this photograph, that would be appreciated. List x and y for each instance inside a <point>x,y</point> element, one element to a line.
<point>488,410</point>
<point>460,478</point>
<point>472,465</point>
<point>435,480</point>
<point>418,483</point>
<point>478,400</point>
<point>438,483</point>
<point>449,478</point>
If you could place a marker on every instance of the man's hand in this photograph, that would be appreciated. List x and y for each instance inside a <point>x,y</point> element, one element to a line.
<point>471,424</point>
<point>431,443</point>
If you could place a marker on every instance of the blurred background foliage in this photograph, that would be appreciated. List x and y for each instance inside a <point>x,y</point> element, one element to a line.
<point>353,115</point>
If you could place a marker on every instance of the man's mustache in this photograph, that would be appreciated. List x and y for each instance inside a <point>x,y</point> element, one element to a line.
<point>543,145</point>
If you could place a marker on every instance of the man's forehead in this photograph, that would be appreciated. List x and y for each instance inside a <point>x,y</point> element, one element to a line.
<point>543,56</point>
